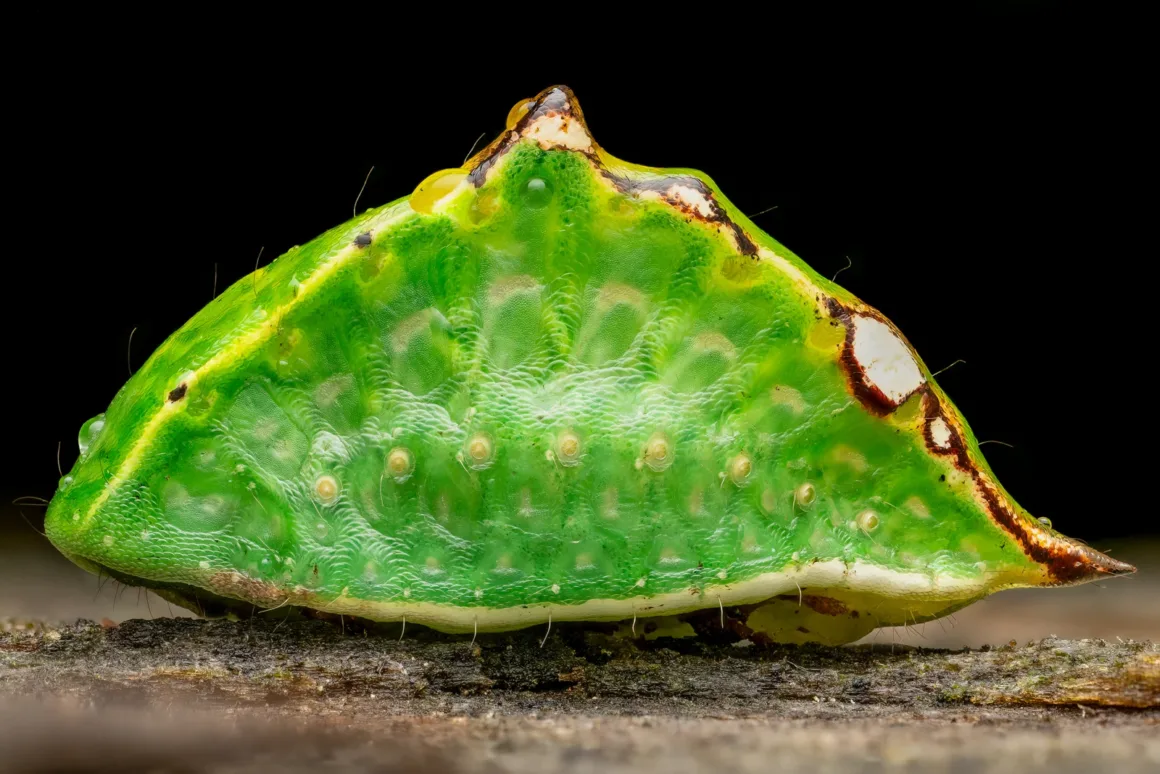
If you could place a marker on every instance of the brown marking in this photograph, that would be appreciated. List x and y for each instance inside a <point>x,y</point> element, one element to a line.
<point>560,101</point>
<point>239,586</point>
<point>1066,560</point>
<point>871,397</point>
<point>363,240</point>
<point>823,605</point>
<point>178,392</point>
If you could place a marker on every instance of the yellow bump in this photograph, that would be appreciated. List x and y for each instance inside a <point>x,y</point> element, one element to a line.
<point>658,452</point>
<point>480,450</point>
<point>432,563</point>
<point>740,468</point>
<point>555,588</point>
<point>326,488</point>
<point>504,562</point>
<point>436,186</point>
<point>805,495</point>
<point>868,521</point>
<point>108,540</point>
<point>640,583</point>
<point>518,111</point>
<point>400,463</point>
<point>584,561</point>
<point>406,593</point>
<point>479,593</point>
<point>722,575</point>
<point>568,448</point>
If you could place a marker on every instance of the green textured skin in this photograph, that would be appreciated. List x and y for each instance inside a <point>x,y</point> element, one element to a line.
<point>522,312</point>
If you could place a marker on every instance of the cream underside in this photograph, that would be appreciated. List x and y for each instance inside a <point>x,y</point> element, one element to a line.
<point>896,589</point>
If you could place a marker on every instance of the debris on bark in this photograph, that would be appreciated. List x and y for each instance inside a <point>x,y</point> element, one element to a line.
<point>296,692</point>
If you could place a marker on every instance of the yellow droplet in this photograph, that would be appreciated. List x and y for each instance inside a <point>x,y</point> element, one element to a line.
<point>740,468</point>
<point>435,187</point>
<point>805,495</point>
<point>518,111</point>
<point>868,521</point>
<point>658,452</point>
<point>400,463</point>
<point>480,450</point>
<point>568,448</point>
<point>326,488</point>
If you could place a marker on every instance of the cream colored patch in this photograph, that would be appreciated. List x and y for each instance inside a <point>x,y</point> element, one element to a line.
<point>786,267</point>
<point>916,506</point>
<point>715,342</point>
<point>907,588</point>
<point>940,433</point>
<point>844,455</point>
<point>784,395</point>
<point>506,287</point>
<point>559,131</point>
<point>885,359</point>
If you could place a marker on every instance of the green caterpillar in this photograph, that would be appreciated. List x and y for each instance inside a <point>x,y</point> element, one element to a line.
<point>550,385</point>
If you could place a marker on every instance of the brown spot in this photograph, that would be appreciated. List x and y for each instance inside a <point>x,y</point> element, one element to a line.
<point>803,630</point>
<point>178,392</point>
<point>363,239</point>
<point>823,605</point>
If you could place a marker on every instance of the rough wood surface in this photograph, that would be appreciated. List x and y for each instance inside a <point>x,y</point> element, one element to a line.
<point>310,694</point>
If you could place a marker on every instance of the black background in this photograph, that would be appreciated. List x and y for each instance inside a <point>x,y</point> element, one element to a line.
<point>975,175</point>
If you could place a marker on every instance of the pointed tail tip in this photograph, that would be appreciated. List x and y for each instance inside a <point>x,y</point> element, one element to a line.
<point>1081,564</point>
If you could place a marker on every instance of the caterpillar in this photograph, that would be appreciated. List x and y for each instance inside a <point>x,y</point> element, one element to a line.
<point>550,385</point>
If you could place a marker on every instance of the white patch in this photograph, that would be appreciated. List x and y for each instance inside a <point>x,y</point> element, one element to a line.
<point>940,433</point>
<point>203,565</point>
<point>692,198</point>
<point>885,359</point>
<point>559,131</point>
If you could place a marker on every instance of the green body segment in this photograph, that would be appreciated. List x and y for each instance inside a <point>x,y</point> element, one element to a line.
<point>545,391</point>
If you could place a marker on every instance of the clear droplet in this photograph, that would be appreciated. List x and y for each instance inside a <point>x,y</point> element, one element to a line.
<point>89,432</point>
<point>537,192</point>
